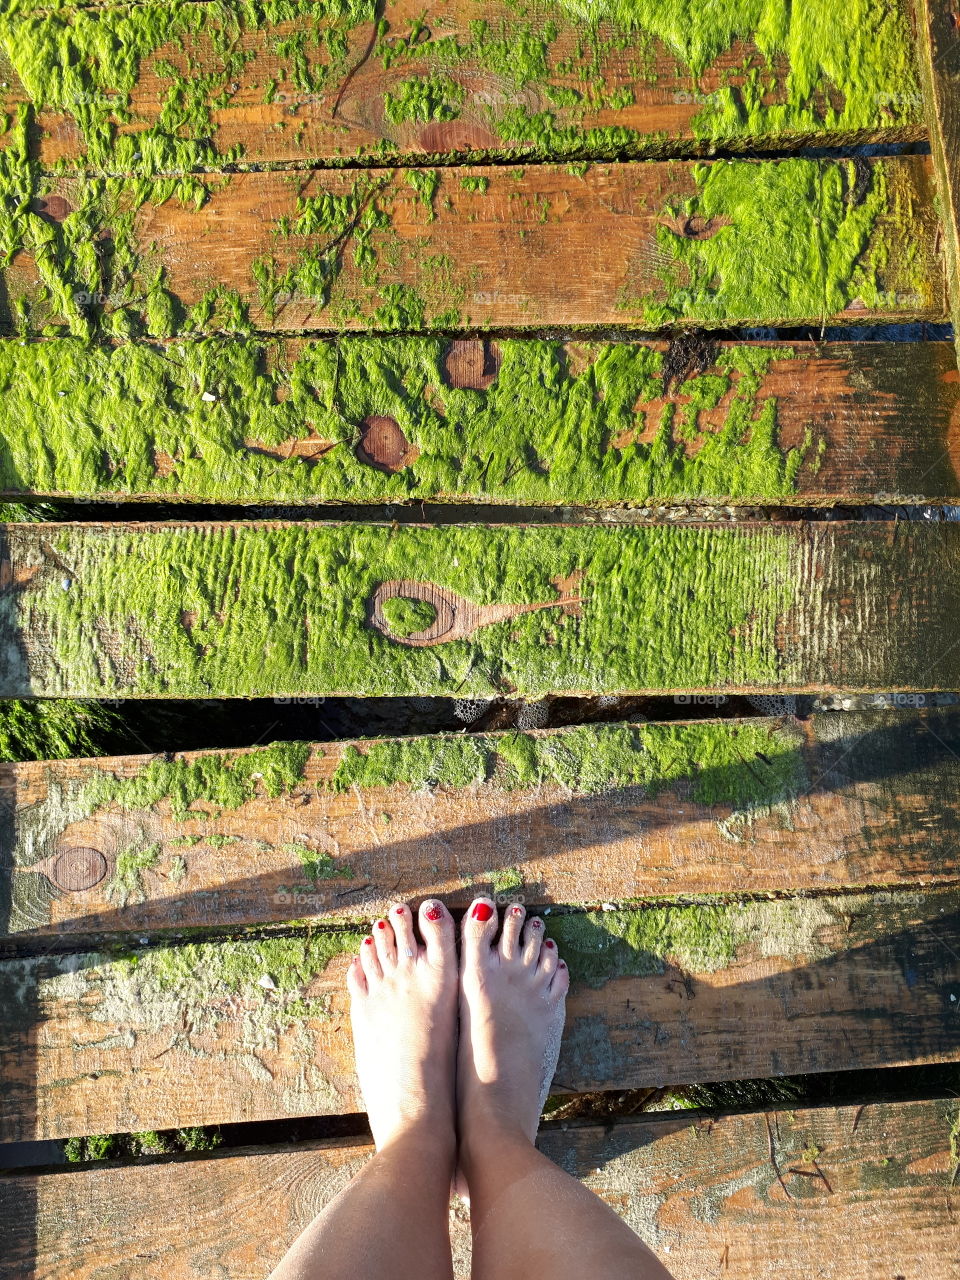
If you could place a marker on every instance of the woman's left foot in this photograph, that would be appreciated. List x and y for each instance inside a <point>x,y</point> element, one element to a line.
<point>404,1012</point>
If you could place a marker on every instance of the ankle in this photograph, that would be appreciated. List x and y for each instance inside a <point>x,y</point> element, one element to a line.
<point>423,1137</point>
<point>489,1139</point>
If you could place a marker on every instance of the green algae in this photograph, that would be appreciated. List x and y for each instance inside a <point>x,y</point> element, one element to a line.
<point>317,866</point>
<point>506,880</point>
<point>249,610</point>
<point>423,98</point>
<point>199,973</point>
<point>475,182</point>
<point>213,780</point>
<point>88,419</point>
<point>119,1146</point>
<point>601,946</point>
<point>408,616</point>
<point>745,764</point>
<point>756,262</point>
<point>126,884</point>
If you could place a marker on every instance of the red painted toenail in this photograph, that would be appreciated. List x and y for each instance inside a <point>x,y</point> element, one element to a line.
<point>550,943</point>
<point>516,911</point>
<point>563,964</point>
<point>399,910</point>
<point>381,924</point>
<point>536,924</point>
<point>482,912</point>
<point>434,911</point>
<point>368,941</point>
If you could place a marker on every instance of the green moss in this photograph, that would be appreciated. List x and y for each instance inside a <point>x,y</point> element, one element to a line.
<point>506,880</point>
<point>405,617</point>
<point>425,182</point>
<point>757,263</point>
<point>424,98</point>
<point>218,841</point>
<point>249,610</point>
<point>271,973</point>
<point>744,764</point>
<point>475,182</point>
<point>126,884</point>
<point>117,1146</point>
<point>317,866</point>
<point>222,782</point>
<point>92,419</point>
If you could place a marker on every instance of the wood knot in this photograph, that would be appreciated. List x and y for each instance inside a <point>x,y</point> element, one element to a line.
<point>52,208</point>
<point>384,446</point>
<point>472,362</point>
<point>448,616</point>
<point>695,227</point>
<point>78,868</point>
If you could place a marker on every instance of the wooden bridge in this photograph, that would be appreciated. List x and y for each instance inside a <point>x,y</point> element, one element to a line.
<point>586,325</point>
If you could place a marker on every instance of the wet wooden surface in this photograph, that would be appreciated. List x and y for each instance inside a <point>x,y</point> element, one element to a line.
<point>283,103</point>
<point>864,800</point>
<point>159,1037</point>
<point>747,606</point>
<point>863,422</point>
<point>538,247</point>
<point>866,1194</point>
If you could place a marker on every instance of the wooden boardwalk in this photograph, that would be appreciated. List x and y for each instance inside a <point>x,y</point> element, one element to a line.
<point>630,286</point>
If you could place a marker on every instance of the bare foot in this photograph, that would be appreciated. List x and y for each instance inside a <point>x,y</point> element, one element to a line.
<point>512,1004</point>
<point>404,1013</point>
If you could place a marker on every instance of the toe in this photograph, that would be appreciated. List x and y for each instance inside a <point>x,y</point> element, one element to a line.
<point>510,933</point>
<point>532,939</point>
<point>436,930</point>
<point>560,983</point>
<point>479,929</point>
<point>547,965</point>
<point>401,918</point>
<point>356,980</point>
<point>368,960</point>
<point>385,944</point>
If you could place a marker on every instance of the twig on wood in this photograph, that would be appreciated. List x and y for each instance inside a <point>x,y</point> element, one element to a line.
<point>365,57</point>
<point>856,1118</point>
<point>773,1158</point>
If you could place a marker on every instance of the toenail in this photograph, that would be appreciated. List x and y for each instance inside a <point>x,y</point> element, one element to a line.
<point>563,964</point>
<point>398,910</point>
<point>434,911</point>
<point>368,941</point>
<point>516,911</point>
<point>381,924</point>
<point>550,943</point>
<point>482,911</point>
<point>536,924</point>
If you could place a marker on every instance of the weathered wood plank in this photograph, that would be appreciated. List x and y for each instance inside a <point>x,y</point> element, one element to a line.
<point>208,1032</point>
<point>297,609</point>
<point>599,813</point>
<point>647,244</point>
<point>939,57</point>
<point>481,420</point>
<point>869,1188</point>
<point>168,87</point>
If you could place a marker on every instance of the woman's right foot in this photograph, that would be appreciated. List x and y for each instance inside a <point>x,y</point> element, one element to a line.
<point>512,1004</point>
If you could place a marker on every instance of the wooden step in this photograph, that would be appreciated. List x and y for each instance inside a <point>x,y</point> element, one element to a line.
<point>865,1191</point>
<point>285,83</point>
<point>287,610</point>
<point>645,245</point>
<point>518,420</point>
<point>160,1036</point>
<point>593,814</point>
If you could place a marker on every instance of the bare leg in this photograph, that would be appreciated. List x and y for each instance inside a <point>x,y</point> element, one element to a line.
<point>527,1214</point>
<point>392,1220</point>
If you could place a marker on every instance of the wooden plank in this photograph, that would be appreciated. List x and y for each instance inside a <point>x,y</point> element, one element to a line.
<point>208,1032</point>
<point>519,420</point>
<point>651,244</point>
<point>869,1197</point>
<point>309,609</point>
<point>288,83</point>
<point>938,46</point>
<point>594,814</point>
